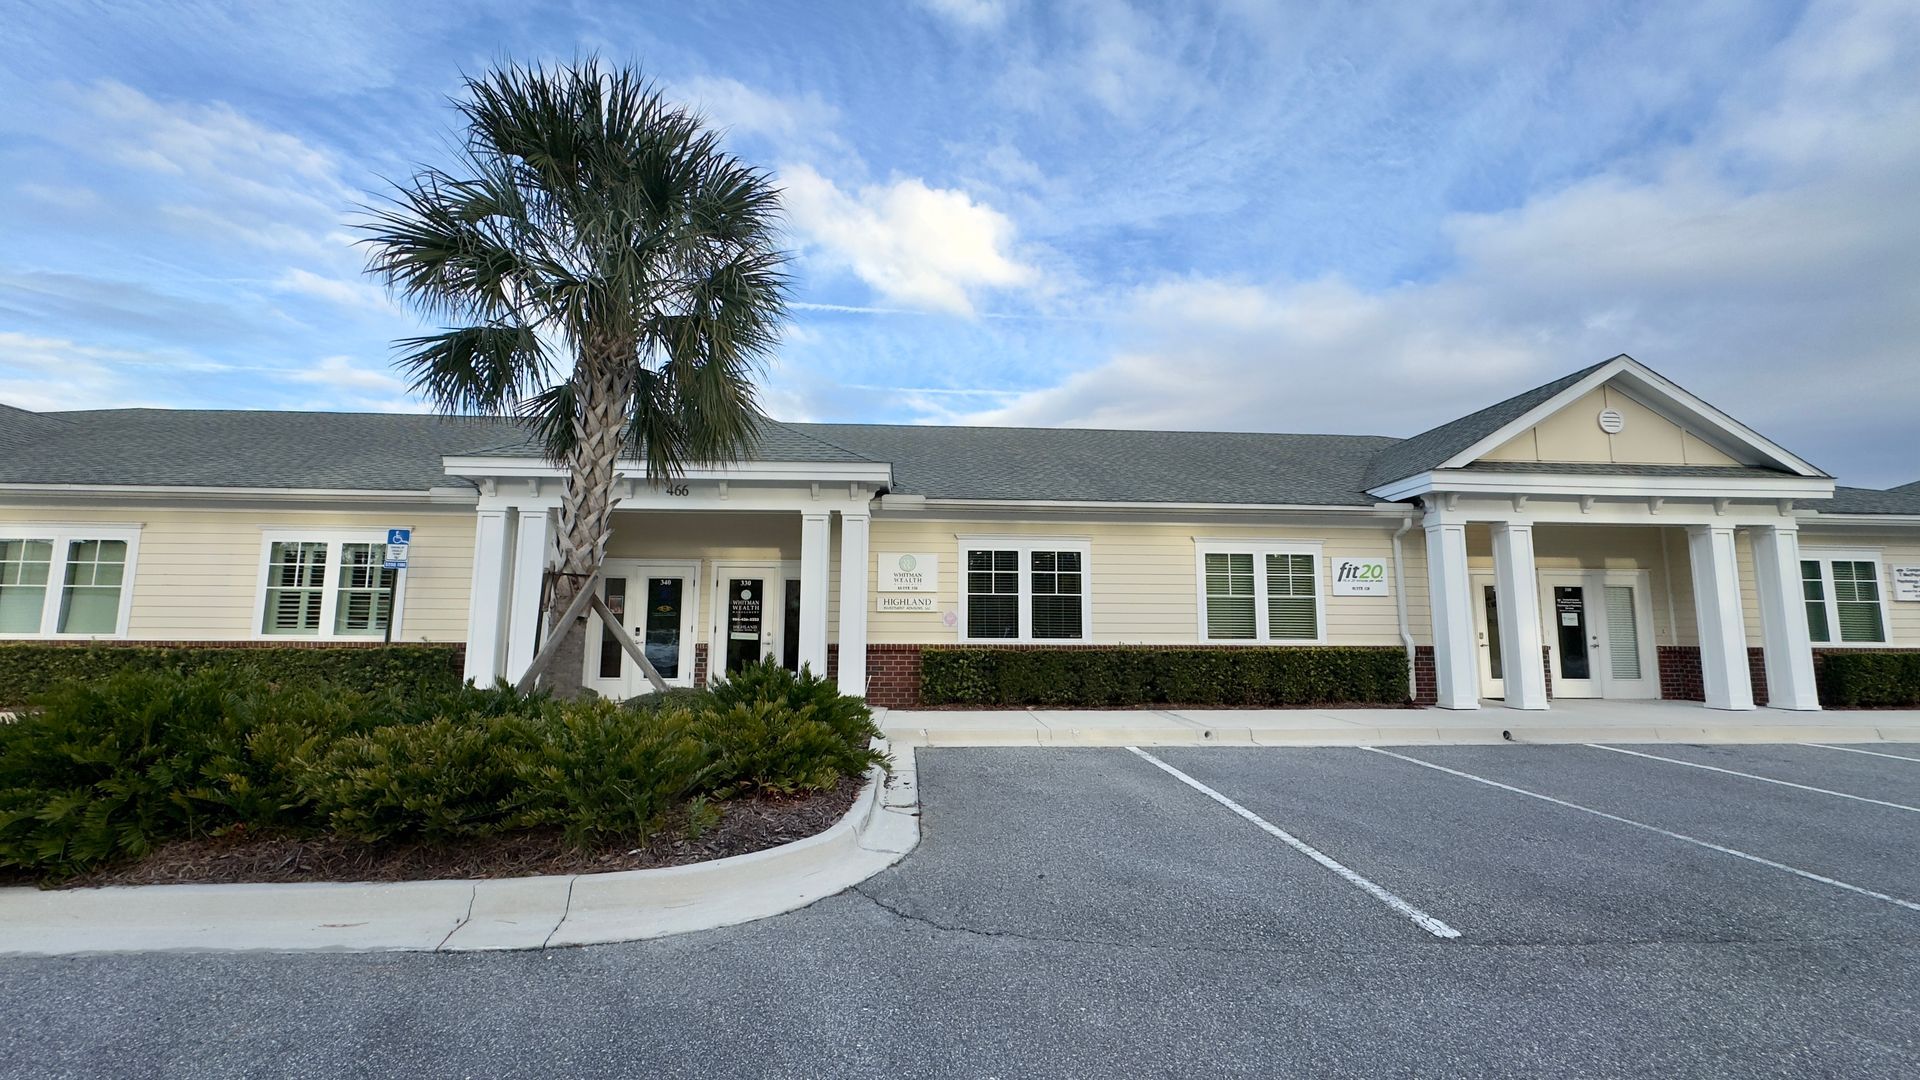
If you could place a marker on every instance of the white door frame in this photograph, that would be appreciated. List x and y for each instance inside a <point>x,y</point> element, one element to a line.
<point>773,611</point>
<point>1490,687</point>
<point>1601,683</point>
<point>631,681</point>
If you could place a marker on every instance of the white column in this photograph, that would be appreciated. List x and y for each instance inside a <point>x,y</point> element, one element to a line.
<point>1517,588</point>
<point>487,602</point>
<point>816,537</point>
<point>853,602</point>
<point>1723,628</point>
<point>1451,595</point>
<point>1783,618</point>
<point>533,538</point>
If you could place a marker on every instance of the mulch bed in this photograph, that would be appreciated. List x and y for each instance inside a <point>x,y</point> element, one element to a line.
<point>745,825</point>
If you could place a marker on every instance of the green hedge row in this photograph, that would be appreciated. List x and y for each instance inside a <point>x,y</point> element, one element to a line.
<point>1144,675</point>
<point>102,772</point>
<point>29,669</point>
<point>1857,679</point>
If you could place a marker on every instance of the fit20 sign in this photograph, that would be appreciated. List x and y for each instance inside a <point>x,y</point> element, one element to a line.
<point>1359,577</point>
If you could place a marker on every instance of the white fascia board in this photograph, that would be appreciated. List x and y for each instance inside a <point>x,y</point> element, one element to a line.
<point>1813,516</point>
<point>1483,482</point>
<point>868,472</point>
<point>438,494</point>
<point>1046,505</point>
<point>1655,385</point>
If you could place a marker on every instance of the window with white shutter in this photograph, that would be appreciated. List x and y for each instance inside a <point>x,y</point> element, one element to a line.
<point>328,586</point>
<point>1254,591</point>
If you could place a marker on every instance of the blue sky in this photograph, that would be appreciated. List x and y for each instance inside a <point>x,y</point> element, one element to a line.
<point>1231,214</point>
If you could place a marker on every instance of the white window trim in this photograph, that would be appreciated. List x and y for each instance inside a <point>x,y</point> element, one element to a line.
<point>1826,557</point>
<point>330,592</point>
<point>62,534</point>
<point>1260,549</point>
<point>1026,546</point>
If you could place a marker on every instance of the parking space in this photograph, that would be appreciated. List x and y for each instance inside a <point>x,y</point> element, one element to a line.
<point>1089,913</point>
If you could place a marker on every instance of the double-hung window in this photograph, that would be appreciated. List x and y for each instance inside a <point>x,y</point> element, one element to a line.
<point>66,580</point>
<point>1843,594</point>
<point>1031,589</point>
<point>328,585</point>
<point>1258,591</point>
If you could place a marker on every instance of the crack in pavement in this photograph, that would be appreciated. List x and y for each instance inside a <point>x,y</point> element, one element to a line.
<point>464,919</point>
<point>1393,945</point>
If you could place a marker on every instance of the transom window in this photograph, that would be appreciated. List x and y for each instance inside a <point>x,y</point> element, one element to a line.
<point>1259,591</point>
<point>1843,598</point>
<point>66,581</point>
<point>1024,590</point>
<point>328,586</point>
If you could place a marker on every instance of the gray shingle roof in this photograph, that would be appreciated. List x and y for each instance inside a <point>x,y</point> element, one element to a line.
<point>1082,465</point>
<point>1851,500</point>
<point>1913,487</point>
<point>1429,448</point>
<point>778,442</point>
<point>213,448</point>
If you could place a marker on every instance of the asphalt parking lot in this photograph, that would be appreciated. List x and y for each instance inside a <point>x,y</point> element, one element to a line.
<point>1433,911</point>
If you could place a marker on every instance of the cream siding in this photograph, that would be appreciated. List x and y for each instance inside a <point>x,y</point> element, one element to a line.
<point>198,573</point>
<point>1142,577</point>
<point>1573,434</point>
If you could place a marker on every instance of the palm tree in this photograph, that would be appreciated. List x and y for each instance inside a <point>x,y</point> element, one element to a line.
<point>605,271</point>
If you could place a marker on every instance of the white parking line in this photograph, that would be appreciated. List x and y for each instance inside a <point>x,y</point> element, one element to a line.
<point>1754,776</point>
<point>1420,918</point>
<point>1735,852</point>
<point>1857,750</point>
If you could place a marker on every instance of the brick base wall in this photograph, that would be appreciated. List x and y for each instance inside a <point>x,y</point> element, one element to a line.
<point>893,676</point>
<point>700,664</point>
<point>1426,678</point>
<point>1682,680</point>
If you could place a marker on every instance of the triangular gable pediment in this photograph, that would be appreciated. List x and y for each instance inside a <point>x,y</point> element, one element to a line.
<point>1625,413</point>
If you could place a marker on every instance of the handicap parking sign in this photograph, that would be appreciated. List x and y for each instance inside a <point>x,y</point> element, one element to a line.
<point>398,540</point>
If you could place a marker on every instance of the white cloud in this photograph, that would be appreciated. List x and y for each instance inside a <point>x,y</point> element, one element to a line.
<point>342,374</point>
<point>913,244</point>
<point>971,14</point>
<point>790,122</point>
<point>1768,265</point>
<point>352,293</point>
<point>46,373</point>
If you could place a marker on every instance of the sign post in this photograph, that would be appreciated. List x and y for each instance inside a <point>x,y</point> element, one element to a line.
<point>398,541</point>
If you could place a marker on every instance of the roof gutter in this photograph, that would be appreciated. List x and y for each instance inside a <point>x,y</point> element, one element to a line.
<point>446,494</point>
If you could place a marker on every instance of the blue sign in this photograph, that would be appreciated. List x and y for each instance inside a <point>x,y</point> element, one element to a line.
<point>398,540</point>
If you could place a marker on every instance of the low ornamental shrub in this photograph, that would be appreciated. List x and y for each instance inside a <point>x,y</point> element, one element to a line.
<point>1870,679</point>
<point>29,669</point>
<point>1145,675</point>
<point>100,772</point>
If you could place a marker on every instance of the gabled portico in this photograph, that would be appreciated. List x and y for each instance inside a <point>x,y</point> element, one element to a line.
<point>761,521</point>
<point>1613,448</point>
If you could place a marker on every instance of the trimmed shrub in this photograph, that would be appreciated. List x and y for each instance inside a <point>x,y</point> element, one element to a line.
<point>100,772</point>
<point>1145,675</point>
<point>1869,679</point>
<point>29,669</point>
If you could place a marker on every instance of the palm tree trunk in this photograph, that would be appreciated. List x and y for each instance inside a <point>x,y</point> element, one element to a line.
<point>586,514</point>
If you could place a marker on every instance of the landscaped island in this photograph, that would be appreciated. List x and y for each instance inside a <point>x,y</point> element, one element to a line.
<point>224,775</point>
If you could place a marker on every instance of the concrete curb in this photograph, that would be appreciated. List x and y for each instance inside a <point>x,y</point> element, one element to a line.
<point>1017,727</point>
<point>458,916</point>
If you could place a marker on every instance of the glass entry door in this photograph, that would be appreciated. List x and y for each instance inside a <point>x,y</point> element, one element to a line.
<point>654,602</point>
<point>746,626</point>
<point>1486,625</point>
<point>1599,633</point>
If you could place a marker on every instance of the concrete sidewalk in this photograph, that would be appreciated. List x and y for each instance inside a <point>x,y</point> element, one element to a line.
<point>1567,722</point>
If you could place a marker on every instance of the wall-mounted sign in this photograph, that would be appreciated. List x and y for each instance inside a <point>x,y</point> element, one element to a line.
<point>1360,577</point>
<point>1906,583</point>
<point>909,571</point>
<point>398,541</point>
<point>906,603</point>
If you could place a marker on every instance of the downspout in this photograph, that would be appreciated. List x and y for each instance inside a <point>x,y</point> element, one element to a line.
<point>1400,606</point>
